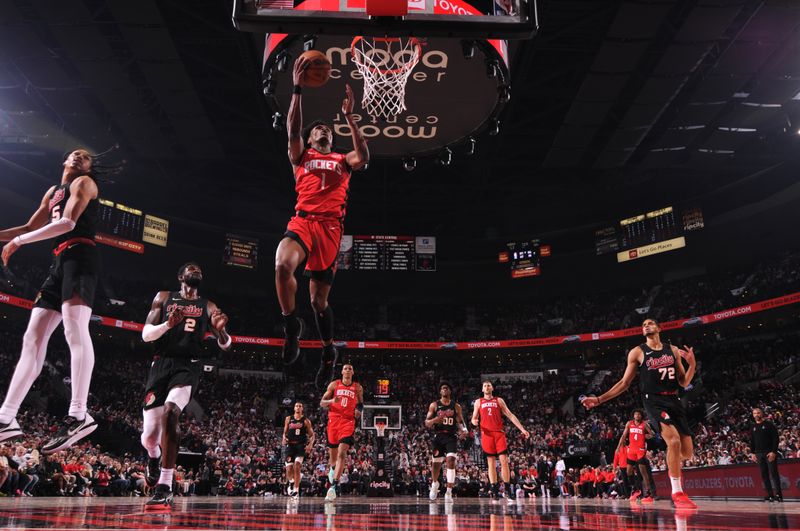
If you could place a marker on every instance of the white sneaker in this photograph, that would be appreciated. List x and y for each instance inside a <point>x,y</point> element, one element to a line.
<point>434,492</point>
<point>331,476</point>
<point>331,494</point>
<point>10,430</point>
<point>448,495</point>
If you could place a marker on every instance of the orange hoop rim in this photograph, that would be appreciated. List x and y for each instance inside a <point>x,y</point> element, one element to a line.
<point>408,66</point>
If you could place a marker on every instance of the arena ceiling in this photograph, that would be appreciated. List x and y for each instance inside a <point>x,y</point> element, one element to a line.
<point>678,96</point>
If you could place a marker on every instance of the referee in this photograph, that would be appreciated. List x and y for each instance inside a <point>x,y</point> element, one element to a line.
<point>764,443</point>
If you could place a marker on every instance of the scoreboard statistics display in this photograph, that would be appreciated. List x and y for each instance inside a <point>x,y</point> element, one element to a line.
<point>649,233</point>
<point>387,253</point>
<point>120,226</point>
<point>120,220</point>
<point>129,228</point>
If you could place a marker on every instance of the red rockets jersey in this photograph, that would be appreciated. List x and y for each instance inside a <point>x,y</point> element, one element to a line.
<point>491,416</point>
<point>636,434</point>
<point>345,406</point>
<point>322,183</point>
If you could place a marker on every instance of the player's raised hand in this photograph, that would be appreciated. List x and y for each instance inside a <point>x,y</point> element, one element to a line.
<point>298,73</point>
<point>9,249</point>
<point>590,402</point>
<point>175,317</point>
<point>347,104</point>
<point>219,320</point>
<point>687,354</point>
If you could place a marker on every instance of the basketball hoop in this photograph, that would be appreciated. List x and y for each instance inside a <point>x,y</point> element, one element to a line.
<point>385,63</point>
<point>380,427</point>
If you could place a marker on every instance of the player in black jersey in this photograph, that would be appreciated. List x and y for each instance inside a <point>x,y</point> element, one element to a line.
<point>298,438</point>
<point>445,417</point>
<point>661,375</point>
<point>68,215</point>
<point>177,325</point>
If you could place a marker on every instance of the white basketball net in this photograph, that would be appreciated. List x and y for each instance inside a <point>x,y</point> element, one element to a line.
<point>385,64</point>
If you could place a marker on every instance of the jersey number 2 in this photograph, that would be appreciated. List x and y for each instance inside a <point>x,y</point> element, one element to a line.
<point>191,324</point>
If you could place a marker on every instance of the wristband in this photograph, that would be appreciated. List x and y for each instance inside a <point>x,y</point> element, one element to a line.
<point>297,90</point>
<point>360,406</point>
<point>224,346</point>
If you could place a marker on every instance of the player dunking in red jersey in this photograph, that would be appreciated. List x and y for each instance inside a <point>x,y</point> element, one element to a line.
<point>344,400</point>
<point>322,181</point>
<point>637,431</point>
<point>490,409</point>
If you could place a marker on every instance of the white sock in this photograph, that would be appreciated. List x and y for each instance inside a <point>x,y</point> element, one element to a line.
<point>41,326</point>
<point>76,330</point>
<point>166,477</point>
<point>451,475</point>
<point>676,484</point>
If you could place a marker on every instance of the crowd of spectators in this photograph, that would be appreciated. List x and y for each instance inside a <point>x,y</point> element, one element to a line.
<point>232,437</point>
<point>124,298</point>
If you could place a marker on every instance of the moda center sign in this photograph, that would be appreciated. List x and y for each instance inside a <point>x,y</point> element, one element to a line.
<point>449,95</point>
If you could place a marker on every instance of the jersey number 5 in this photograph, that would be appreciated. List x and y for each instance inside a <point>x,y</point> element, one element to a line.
<point>667,373</point>
<point>55,215</point>
<point>192,323</point>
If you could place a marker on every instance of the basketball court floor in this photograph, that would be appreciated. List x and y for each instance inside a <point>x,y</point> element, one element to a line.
<point>399,513</point>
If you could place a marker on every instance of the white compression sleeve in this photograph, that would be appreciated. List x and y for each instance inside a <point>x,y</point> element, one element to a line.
<point>76,330</point>
<point>51,230</point>
<point>34,348</point>
<point>153,332</point>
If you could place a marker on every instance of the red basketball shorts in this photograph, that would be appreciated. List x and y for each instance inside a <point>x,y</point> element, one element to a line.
<point>636,454</point>
<point>341,431</point>
<point>494,443</point>
<point>320,238</point>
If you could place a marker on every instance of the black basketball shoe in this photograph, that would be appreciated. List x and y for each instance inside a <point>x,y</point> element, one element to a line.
<point>71,432</point>
<point>327,364</point>
<point>161,500</point>
<point>291,344</point>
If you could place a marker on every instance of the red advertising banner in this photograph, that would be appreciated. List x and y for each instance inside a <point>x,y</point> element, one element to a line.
<point>120,243</point>
<point>733,481</point>
<point>755,307</point>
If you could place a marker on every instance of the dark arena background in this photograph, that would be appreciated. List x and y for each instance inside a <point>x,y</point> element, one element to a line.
<point>562,172</point>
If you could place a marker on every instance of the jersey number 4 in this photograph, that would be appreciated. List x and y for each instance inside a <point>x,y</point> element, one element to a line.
<point>667,373</point>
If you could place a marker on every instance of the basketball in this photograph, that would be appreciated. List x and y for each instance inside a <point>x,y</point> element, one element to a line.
<point>319,69</point>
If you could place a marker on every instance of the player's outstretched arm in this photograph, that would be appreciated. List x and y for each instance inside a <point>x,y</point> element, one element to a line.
<point>634,360</point>
<point>685,375</point>
<point>82,190</point>
<point>36,221</point>
<point>294,119</point>
<point>359,400</point>
<point>359,157</point>
<point>153,331</point>
<point>328,398</point>
<point>218,322</point>
<point>512,417</point>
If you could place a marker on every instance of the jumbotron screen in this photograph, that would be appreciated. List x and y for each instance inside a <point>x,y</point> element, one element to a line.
<point>648,234</point>
<point>524,257</point>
